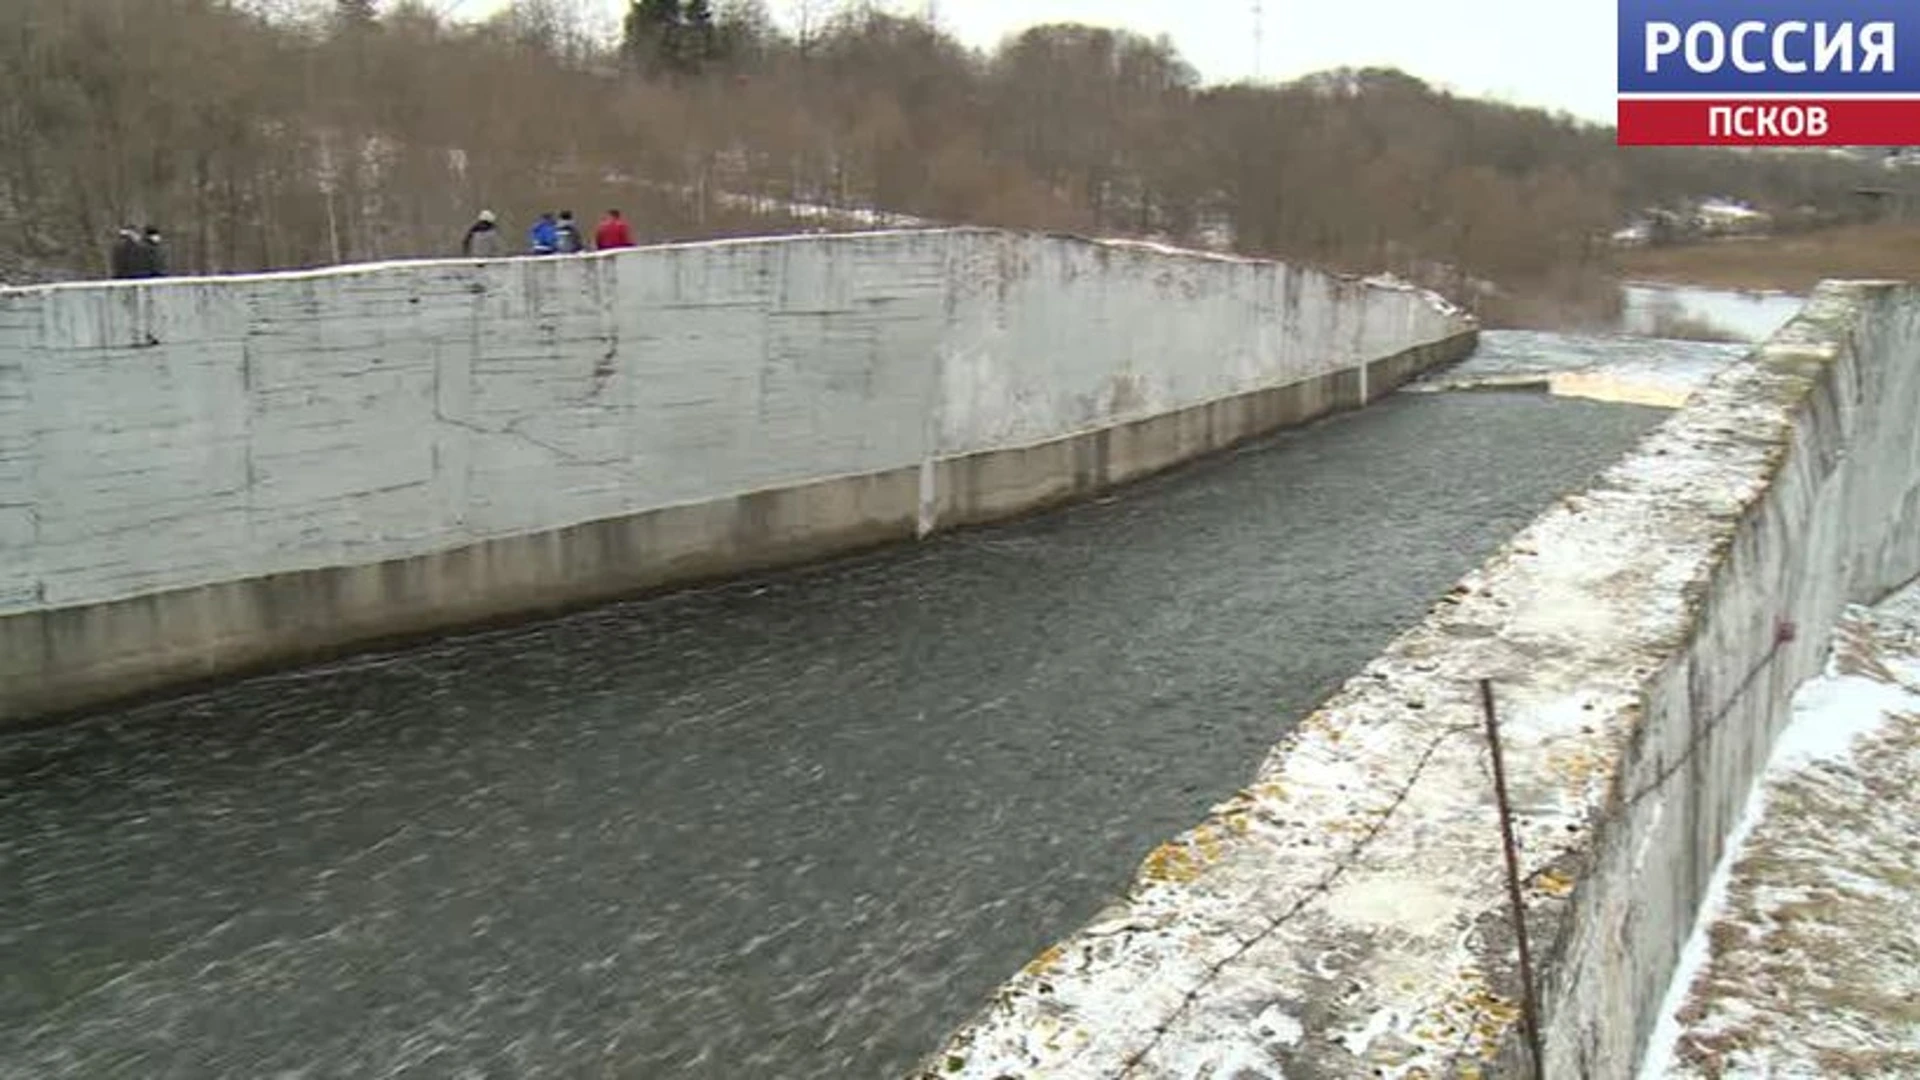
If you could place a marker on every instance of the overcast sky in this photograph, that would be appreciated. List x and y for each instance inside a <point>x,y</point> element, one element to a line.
<point>1558,54</point>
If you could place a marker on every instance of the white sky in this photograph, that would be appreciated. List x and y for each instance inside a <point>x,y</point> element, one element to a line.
<point>1557,54</point>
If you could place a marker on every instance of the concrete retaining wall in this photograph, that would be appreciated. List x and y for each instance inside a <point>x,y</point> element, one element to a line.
<point>202,475</point>
<point>1346,914</point>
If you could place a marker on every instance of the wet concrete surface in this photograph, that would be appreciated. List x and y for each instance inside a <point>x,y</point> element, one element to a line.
<point>791,827</point>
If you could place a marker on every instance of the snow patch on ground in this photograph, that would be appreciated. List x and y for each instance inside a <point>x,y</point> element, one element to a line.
<point>1833,712</point>
<point>1804,961</point>
<point>807,211</point>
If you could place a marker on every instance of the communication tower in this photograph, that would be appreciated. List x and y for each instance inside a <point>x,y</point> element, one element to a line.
<point>1259,39</point>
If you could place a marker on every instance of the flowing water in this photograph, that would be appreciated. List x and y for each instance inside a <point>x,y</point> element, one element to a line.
<point>796,826</point>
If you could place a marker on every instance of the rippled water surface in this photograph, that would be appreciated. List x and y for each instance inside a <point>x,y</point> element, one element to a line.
<point>793,827</point>
<point>1530,352</point>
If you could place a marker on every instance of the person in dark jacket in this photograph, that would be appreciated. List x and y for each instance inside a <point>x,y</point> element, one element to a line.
<point>544,237</point>
<point>567,235</point>
<point>153,253</point>
<point>125,257</point>
<point>146,256</point>
<point>483,238</point>
<point>612,232</point>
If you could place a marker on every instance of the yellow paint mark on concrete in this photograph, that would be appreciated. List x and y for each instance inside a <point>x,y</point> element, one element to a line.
<point>1171,863</point>
<point>1045,962</point>
<point>1579,767</point>
<point>1209,844</point>
<point>1554,883</point>
<point>1496,1008</point>
<point>1468,1020</point>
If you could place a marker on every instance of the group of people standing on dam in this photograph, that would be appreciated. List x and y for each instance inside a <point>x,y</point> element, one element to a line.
<point>138,253</point>
<point>551,234</point>
<point>141,253</point>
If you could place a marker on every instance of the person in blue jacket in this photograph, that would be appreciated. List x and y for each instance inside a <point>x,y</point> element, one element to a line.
<point>544,238</point>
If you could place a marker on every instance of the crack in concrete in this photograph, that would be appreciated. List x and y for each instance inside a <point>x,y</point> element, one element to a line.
<point>512,431</point>
<point>1712,727</point>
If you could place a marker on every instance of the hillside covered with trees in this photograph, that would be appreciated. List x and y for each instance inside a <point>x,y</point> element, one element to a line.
<point>288,133</point>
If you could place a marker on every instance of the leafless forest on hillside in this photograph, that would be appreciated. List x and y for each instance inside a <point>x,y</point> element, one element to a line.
<point>287,133</point>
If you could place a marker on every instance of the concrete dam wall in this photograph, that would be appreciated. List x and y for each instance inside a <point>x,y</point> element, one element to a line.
<point>202,475</point>
<point>1346,914</point>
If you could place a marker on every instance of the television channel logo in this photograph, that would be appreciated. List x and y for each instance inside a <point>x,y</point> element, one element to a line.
<point>1769,73</point>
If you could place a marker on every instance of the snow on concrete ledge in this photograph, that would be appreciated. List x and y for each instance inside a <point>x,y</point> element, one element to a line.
<point>1345,916</point>
<point>894,229</point>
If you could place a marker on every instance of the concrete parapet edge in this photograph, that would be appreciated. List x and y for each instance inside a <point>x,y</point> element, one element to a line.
<point>1345,914</point>
<point>61,660</point>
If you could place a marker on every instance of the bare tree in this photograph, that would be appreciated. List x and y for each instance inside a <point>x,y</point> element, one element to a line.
<point>270,133</point>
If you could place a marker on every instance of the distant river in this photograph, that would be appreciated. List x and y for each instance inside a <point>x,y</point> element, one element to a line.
<point>1751,316</point>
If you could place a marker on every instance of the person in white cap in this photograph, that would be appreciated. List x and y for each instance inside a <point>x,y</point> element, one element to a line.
<point>483,238</point>
<point>126,253</point>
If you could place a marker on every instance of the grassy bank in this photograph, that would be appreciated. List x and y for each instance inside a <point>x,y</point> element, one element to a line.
<point>1786,263</point>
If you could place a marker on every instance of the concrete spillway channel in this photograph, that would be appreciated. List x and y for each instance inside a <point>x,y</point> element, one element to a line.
<point>795,826</point>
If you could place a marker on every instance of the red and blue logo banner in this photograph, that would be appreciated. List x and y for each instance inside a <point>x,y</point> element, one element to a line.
<point>1769,72</point>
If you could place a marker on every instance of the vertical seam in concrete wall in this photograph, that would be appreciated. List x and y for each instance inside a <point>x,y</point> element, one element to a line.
<point>36,436</point>
<point>928,516</point>
<point>934,418</point>
<point>248,380</point>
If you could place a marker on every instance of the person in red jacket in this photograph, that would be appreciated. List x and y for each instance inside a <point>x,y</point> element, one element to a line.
<point>612,232</point>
